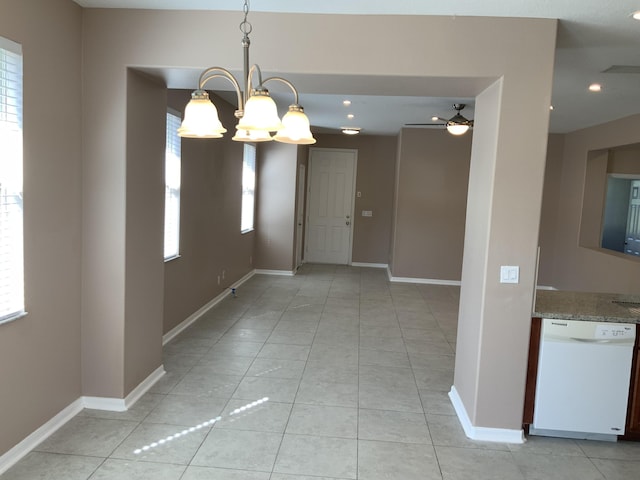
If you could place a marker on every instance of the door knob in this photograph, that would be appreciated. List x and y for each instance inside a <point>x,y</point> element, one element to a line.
<point>348,222</point>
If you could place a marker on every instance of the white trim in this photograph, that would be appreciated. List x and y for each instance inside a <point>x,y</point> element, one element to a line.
<point>427,281</point>
<point>104,403</point>
<point>123,404</point>
<point>369,265</point>
<point>286,273</point>
<point>18,452</point>
<point>144,386</point>
<point>11,46</point>
<point>545,287</point>
<point>485,434</point>
<point>186,323</point>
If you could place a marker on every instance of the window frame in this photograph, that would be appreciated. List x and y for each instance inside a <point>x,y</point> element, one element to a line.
<point>172,140</point>
<point>11,105</point>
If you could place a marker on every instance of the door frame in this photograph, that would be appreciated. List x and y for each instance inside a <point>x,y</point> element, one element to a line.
<point>353,193</point>
<point>301,199</point>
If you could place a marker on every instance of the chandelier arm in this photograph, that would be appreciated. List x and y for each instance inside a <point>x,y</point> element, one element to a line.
<point>215,72</point>
<point>288,83</point>
<point>254,68</point>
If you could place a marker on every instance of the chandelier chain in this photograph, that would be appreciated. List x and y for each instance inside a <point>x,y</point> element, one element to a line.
<point>245,26</point>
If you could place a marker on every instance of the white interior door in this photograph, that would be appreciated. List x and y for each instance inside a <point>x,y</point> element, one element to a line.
<point>300,214</point>
<point>330,205</point>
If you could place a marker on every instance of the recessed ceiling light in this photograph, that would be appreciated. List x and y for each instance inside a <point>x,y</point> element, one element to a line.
<point>351,130</point>
<point>636,15</point>
<point>595,87</point>
<point>346,103</point>
<point>550,107</point>
<point>435,119</point>
<point>350,116</point>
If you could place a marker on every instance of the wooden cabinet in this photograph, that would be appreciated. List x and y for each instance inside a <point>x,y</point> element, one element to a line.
<point>532,371</point>
<point>632,431</point>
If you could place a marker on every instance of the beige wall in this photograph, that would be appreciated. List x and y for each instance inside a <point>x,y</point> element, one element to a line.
<point>432,183</point>
<point>548,217</point>
<point>625,160</point>
<point>115,40</point>
<point>576,267</point>
<point>502,222</point>
<point>210,204</point>
<point>40,353</point>
<point>144,282</point>
<point>276,200</point>
<point>374,179</point>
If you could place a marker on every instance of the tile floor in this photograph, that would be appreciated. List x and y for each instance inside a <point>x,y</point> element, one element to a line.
<point>356,372</point>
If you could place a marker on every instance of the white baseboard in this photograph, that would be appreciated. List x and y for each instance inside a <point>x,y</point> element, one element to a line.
<point>123,404</point>
<point>424,281</point>
<point>286,273</point>
<point>182,326</point>
<point>545,287</point>
<point>18,452</point>
<point>369,265</point>
<point>485,434</point>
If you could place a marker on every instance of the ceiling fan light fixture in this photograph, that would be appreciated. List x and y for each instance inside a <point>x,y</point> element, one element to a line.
<point>351,130</point>
<point>457,128</point>
<point>458,125</point>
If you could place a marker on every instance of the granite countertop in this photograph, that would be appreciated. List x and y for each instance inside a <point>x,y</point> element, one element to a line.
<point>593,307</point>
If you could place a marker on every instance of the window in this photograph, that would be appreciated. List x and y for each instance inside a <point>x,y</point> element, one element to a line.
<point>248,187</point>
<point>172,188</point>
<point>11,207</point>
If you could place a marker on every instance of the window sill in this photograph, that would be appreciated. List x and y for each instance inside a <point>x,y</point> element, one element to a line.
<point>248,230</point>
<point>613,253</point>
<point>13,318</point>
<point>168,259</point>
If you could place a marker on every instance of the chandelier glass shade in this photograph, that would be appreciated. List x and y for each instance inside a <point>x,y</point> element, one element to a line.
<point>201,118</point>
<point>257,112</point>
<point>295,128</point>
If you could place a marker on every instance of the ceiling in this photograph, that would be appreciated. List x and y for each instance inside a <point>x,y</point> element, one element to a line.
<point>593,36</point>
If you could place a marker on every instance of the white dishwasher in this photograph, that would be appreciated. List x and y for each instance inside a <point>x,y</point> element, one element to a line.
<point>584,370</point>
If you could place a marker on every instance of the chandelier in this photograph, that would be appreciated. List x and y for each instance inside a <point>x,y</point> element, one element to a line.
<point>257,113</point>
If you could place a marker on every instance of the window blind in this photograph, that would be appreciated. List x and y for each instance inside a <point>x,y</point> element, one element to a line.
<point>11,204</point>
<point>172,188</point>
<point>248,187</point>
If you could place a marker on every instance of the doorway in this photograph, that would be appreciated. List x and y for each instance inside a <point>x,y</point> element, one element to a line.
<point>330,205</point>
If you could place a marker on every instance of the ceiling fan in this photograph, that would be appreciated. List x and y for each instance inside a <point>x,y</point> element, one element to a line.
<point>456,125</point>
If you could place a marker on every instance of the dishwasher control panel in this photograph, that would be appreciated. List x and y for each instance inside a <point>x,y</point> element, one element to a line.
<point>614,332</point>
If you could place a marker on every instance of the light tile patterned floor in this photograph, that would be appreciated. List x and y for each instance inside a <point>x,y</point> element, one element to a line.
<point>356,371</point>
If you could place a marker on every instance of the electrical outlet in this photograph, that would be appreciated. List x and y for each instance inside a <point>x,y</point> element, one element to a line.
<point>218,279</point>
<point>223,273</point>
<point>250,260</point>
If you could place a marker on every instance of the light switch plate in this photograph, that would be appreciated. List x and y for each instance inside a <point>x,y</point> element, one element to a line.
<point>367,213</point>
<point>509,274</point>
